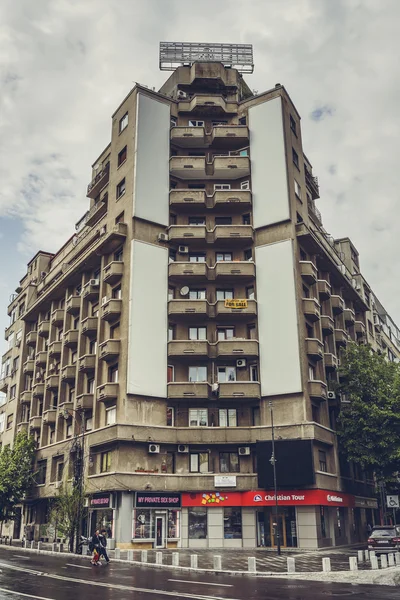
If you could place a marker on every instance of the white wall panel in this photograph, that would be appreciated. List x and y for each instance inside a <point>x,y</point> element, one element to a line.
<point>277,320</point>
<point>151,177</point>
<point>148,321</point>
<point>268,164</point>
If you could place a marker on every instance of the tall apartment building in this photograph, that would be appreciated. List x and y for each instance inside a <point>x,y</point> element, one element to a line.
<point>199,290</point>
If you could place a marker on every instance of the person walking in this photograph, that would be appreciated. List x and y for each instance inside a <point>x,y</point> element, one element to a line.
<point>103,545</point>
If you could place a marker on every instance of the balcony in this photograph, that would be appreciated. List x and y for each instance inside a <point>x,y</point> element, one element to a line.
<point>341,337</point>
<point>230,135</point>
<point>231,167</point>
<point>308,272</point>
<point>89,326</point>
<point>327,325</point>
<point>337,304</point>
<point>68,373</point>
<point>324,289</point>
<point>187,233</point>
<point>314,348</point>
<point>107,391</point>
<point>234,271</point>
<point>188,137</point>
<point>311,308</point>
<point>44,329</point>
<point>29,366</point>
<point>237,347</point>
<point>73,305</point>
<point>331,361</point>
<point>239,389</point>
<point>97,211</point>
<point>111,309</point>
<point>91,290</point>
<point>99,181</point>
<point>190,348</point>
<point>232,234</point>
<point>206,104</point>
<point>317,390</point>
<point>71,338</point>
<point>23,427</point>
<point>25,397</point>
<point>52,382</point>
<point>113,272</point>
<point>188,308</point>
<point>349,316</point>
<point>188,167</point>
<point>109,350</point>
<point>188,197</point>
<point>38,390</point>
<point>41,359</point>
<point>57,317</point>
<point>223,308</point>
<point>189,271</point>
<point>55,348</point>
<point>85,401</point>
<point>187,389</point>
<point>49,417</point>
<point>87,363</point>
<point>35,423</point>
<point>312,183</point>
<point>359,328</point>
<point>232,198</point>
<point>31,338</point>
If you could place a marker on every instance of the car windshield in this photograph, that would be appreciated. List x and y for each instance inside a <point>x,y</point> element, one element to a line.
<point>383,533</point>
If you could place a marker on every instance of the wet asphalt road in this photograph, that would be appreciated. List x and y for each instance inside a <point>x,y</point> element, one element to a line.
<point>25,575</point>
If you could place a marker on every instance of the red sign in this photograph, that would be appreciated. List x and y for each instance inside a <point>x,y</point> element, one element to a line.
<point>263,498</point>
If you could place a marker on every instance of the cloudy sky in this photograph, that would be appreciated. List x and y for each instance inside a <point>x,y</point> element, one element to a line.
<point>65,65</point>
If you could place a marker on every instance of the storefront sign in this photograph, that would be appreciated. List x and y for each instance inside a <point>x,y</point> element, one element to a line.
<point>365,502</point>
<point>235,303</point>
<point>157,500</point>
<point>263,498</point>
<point>225,480</point>
<point>100,501</point>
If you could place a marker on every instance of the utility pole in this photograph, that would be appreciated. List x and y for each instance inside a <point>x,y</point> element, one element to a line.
<point>272,460</point>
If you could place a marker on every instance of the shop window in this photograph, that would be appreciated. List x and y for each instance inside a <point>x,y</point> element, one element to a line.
<point>198,417</point>
<point>123,122</point>
<point>111,415</point>
<point>229,462</point>
<point>174,524</point>
<point>197,333</point>
<point>142,524</point>
<point>224,294</point>
<point>228,417</point>
<point>197,517</point>
<point>198,462</point>
<point>226,374</point>
<point>198,374</point>
<point>322,461</point>
<point>170,416</point>
<point>105,462</point>
<point>232,523</point>
<point>322,510</point>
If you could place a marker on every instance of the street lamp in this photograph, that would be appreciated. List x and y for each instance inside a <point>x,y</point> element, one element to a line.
<point>79,447</point>
<point>273,461</point>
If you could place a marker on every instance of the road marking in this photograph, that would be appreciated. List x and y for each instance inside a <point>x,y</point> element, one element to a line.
<point>202,582</point>
<point>20,556</point>
<point>25,595</point>
<point>78,566</point>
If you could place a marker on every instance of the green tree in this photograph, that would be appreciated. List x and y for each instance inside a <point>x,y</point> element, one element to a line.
<point>66,512</point>
<point>16,474</point>
<point>369,419</point>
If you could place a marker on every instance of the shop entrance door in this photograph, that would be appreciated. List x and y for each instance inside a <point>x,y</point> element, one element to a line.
<point>160,531</point>
<point>282,530</point>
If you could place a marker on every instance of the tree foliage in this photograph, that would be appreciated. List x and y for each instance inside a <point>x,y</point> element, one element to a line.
<point>67,511</point>
<point>369,420</point>
<point>16,473</point>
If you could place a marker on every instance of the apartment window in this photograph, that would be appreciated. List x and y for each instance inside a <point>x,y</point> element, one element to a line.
<point>52,436</point>
<point>225,333</point>
<point>171,293</point>
<point>312,374</point>
<point>197,333</point>
<point>69,430</point>
<point>295,158</point>
<point>306,292</point>
<point>197,294</point>
<point>121,188</point>
<point>322,461</point>
<point>74,357</point>
<point>171,333</point>
<point>95,310</point>
<point>41,472</point>
<point>370,328</point>
<point>256,419</point>
<point>10,419</point>
<point>170,373</point>
<point>367,297</point>
<point>232,523</point>
<point>71,395</point>
<point>59,471</point>
<point>10,340</point>
<point>220,122</point>
<point>197,521</point>
<point>223,220</point>
<point>119,255</point>
<point>297,189</point>
<point>75,323</point>
<point>315,413</point>
<point>18,337</point>
<point>248,254</point>
<point>113,374</point>
<point>105,462</point>
<point>299,218</point>
<point>198,417</point>
<point>123,122</point>
<point>54,400</point>
<point>119,219</point>
<point>250,293</point>
<point>198,374</point>
<point>229,462</point>
<point>226,374</point>
<point>2,421</point>
<point>293,125</point>
<point>198,462</point>
<point>303,255</point>
<point>227,417</point>
<point>117,293</point>
<point>13,391</point>
<point>193,123</point>
<point>221,186</point>
<point>170,416</point>
<point>251,332</point>
<point>246,219</point>
<point>223,256</point>
<point>224,294</point>
<point>122,156</point>
<point>253,372</point>
<point>245,185</point>
<point>197,220</point>
<point>172,219</point>
<point>171,255</point>
<point>90,386</point>
<point>196,186</point>
<point>89,423</point>
<point>197,258</point>
<point>92,346</point>
<point>111,415</point>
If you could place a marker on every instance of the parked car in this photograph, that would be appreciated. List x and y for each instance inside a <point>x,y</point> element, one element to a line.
<point>384,539</point>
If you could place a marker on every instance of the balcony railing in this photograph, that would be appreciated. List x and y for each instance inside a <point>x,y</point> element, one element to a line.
<point>312,183</point>
<point>99,181</point>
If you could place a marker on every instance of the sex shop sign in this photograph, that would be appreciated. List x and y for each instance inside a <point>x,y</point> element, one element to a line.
<point>267,498</point>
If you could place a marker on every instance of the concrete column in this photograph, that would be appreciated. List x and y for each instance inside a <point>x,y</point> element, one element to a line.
<point>384,562</point>
<point>397,558</point>
<point>175,559</point>
<point>158,558</point>
<point>193,561</point>
<point>217,562</point>
<point>123,517</point>
<point>307,526</point>
<point>326,565</point>
<point>129,555</point>
<point>215,520</point>
<point>251,564</point>
<point>372,553</point>
<point>366,555</point>
<point>374,562</point>
<point>360,556</point>
<point>184,528</point>
<point>353,563</point>
<point>143,556</point>
<point>117,553</point>
<point>291,565</point>
<point>249,527</point>
<point>391,559</point>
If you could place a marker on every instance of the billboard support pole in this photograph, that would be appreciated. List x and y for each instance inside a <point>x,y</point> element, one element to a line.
<point>272,460</point>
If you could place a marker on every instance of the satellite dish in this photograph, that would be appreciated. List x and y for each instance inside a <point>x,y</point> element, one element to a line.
<point>185,290</point>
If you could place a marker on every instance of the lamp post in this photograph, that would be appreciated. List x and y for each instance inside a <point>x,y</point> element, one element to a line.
<point>273,461</point>
<point>78,474</point>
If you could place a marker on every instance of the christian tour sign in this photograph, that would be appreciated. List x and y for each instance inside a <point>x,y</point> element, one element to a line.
<point>264,498</point>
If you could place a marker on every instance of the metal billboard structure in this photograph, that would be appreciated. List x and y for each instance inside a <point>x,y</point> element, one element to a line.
<point>177,54</point>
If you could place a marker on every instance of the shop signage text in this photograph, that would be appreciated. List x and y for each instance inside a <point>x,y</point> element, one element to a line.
<point>225,480</point>
<point>100,501</point>
<point>263,498</point>
<point>157,500</point>
<point>235,303</point>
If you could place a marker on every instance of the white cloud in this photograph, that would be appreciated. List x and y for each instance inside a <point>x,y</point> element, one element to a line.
<point>67,64</point>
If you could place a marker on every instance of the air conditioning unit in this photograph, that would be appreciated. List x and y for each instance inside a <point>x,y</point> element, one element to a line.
<point>182,449</point>
<point>93,282</point>
<point>162,237</point>
<point>102,230</point>
<point>181,95</point>
<point>104,300</point>
<point>331,396</point>
<point>241,363</point>
<point>154,449</point>
<point>183,249</point>
<point>342,269</point>
<point>244,451</point>
<point>215,388</point>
